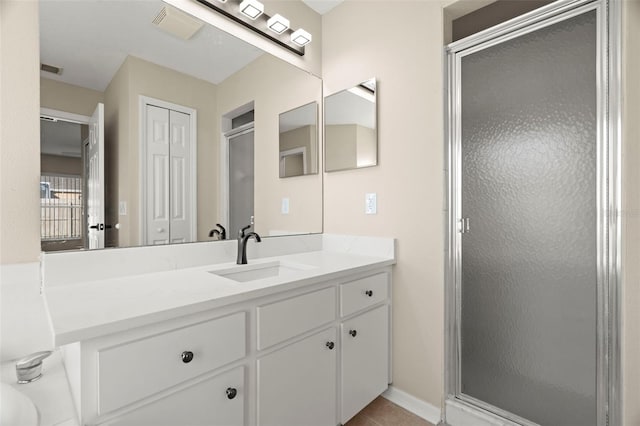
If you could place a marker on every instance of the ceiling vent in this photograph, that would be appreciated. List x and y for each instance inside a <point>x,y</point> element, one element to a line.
<point>177,23</point>
<point>51,69</point>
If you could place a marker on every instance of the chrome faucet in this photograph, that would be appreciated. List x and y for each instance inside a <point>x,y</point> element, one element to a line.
<point>242,244</point>
<point>220,232</point>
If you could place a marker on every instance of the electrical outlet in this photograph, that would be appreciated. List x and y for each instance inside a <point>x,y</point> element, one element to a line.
<point>371,203</point>
<point>285,206</point>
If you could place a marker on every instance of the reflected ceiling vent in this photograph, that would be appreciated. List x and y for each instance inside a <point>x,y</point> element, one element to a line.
<point>177,23</point>
<point>51,69</point>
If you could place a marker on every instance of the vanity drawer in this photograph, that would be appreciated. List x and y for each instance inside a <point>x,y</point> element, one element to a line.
<point>362,293</point>
<point>288,318</point>
<point>134,370</point>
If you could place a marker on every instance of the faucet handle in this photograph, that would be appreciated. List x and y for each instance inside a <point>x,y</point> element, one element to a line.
<point>241,232</point>
<point>223,232</point>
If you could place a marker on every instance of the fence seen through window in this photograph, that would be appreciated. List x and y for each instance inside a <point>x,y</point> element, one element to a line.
<point>61,207</point>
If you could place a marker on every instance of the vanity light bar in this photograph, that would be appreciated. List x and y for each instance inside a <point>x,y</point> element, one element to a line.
<point>251,9</point>
<point>278,23</point>
<point>275,28</point>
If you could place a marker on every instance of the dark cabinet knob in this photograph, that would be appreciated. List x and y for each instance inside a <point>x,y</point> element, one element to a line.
<point>187,356</point>
<point>231,393</point>
<point>369,293</point>
<point>353,333</point>
<point>331,345</point>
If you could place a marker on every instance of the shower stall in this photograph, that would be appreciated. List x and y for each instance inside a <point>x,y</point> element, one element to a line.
<point>532,235</point>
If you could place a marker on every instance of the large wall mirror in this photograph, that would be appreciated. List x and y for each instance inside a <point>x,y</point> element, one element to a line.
<point>350,128</point>
<point>299,141</point>
<point>185,120</point>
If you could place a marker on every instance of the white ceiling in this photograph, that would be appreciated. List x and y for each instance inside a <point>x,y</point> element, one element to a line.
<point>322,6</point>
<point>302,116</point>
<point>60,138</point>
<point>347,108</point>
<point>91,39</point>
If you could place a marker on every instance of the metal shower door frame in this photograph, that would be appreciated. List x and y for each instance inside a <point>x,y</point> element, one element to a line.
<point>608,174</point>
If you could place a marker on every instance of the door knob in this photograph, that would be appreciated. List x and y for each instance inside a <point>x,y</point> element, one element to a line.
<point>231,393</point>
<point>353,333</point>
<point>187,356</point>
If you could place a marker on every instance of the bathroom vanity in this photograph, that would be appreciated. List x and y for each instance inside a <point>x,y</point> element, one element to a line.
<point>294,339</point>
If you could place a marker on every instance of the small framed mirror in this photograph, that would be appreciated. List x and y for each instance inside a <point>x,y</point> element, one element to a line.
<point>298,130</point>
<point>350,128</point>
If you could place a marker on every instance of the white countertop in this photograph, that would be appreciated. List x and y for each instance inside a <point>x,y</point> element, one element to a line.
<point>91,309</point>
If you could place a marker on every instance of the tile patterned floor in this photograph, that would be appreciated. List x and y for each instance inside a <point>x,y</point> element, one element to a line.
<point>382,412</point>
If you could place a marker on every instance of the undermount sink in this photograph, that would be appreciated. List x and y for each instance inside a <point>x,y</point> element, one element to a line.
<point>258,271</point>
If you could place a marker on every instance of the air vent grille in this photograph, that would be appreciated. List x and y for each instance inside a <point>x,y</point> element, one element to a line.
<point>177,23</point>
<point>160,16</point>
<point>51,69</point>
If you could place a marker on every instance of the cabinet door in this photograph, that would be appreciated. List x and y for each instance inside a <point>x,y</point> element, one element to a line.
<point>297,384</point>
<point>365,360</point>
<point>218,401</point>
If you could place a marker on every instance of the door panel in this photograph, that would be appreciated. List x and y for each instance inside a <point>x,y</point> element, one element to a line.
<point>158,175</point>
<point>95,180</point>
<point>529,188</point>
<point>297,384</point>
<point>180,190</point>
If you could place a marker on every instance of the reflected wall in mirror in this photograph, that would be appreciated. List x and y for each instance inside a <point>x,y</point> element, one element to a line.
<point>350,128</point>
<point>299,141</point>
<point>169,104</point>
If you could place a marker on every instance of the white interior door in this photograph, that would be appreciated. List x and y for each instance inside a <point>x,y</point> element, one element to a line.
<point>169,190</point>
<point>95,180</point>
<point>158,175</point>
<point>179,188</point>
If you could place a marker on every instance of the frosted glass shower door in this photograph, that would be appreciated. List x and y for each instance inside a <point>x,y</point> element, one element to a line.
<point>528,186</point>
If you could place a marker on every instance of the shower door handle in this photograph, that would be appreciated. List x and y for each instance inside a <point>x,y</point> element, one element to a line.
<point>464,225</point>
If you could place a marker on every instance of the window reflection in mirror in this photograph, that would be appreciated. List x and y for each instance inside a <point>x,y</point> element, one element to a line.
<point>298,130</point>
<point>114,54</point>
<point>350,128</point>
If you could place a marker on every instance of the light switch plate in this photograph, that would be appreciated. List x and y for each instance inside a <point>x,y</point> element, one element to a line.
<point>122,208</point>
<point>285,206</point>
<point>371,203</point>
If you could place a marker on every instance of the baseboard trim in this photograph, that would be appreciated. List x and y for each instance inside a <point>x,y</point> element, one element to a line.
<point>420,408</point>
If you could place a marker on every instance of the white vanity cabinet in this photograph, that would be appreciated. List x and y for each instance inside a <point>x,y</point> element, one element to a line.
<point>312,354</point>
<point>297,384</point>
<point>217,401</point>
<point>365,342</point>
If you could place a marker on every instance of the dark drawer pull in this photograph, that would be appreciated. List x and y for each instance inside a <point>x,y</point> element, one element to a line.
<point>369,293</point>
<point>187,357</point>
<point>231,393</point>
<point>331,345</point>
<point>353,333</point>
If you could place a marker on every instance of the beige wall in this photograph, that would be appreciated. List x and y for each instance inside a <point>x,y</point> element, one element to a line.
<point>409,178</point>
<point>275,87</point>
<point>19,132</point>
<point>303,137</point>
<point>117,119</point>
<point>60,164</point>
<point>340,146</point>
<point>349,146</point>
<point>137,77</point>
<point>631,213</point>
<point>68,98</point>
